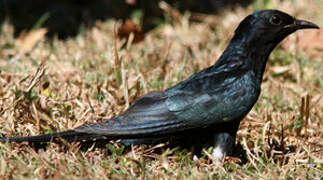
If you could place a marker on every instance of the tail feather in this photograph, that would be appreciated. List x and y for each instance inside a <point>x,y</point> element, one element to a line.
<point>66,135</point>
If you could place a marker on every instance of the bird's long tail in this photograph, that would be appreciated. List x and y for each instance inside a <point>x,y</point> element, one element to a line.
<point>65,135</point>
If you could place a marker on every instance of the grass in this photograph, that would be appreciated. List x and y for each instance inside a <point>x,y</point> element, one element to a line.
<point>84,82</point>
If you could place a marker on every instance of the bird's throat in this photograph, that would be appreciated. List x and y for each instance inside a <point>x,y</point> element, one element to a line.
<point>254,57</point>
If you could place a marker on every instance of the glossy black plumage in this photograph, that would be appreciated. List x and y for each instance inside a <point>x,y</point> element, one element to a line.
<point>206,107</point>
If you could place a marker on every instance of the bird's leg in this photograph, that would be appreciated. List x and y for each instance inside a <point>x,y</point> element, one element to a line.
<point>224,141</point>
<point>223,145</point>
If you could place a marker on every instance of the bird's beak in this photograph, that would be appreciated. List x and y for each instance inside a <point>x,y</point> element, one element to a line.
<point>301,24</point>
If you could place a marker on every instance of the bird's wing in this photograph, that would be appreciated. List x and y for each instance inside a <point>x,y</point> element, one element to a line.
<point>164,112</point>
<point>147,115</point>
<point>154,114</point>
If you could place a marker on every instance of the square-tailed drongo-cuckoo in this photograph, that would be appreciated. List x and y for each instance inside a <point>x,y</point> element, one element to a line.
<point>207,107</point>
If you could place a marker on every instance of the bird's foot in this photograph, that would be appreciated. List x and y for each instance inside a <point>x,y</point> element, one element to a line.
<point>218,153</point>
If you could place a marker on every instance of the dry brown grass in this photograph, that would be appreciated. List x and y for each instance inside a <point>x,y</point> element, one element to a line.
<point>82,83</point>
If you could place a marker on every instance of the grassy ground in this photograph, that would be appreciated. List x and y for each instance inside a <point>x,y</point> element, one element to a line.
<point>81,81</point>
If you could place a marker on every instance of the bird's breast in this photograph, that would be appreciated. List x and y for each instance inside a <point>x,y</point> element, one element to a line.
<point>238,99</point>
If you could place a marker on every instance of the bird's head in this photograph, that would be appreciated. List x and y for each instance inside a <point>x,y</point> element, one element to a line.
<point>259,33</point>
<point>267,28</point>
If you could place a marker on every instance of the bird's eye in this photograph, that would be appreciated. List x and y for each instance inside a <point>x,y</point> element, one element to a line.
<point>275,20</point>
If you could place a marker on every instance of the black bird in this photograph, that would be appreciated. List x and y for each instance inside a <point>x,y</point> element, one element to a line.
<point>207,107</point>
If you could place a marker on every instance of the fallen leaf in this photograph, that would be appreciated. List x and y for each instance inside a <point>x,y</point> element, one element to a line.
<point>232,160</point>
<point>26,41</point>
<point>279,69</point>
<point>131,2</point>
<point>130,27</point>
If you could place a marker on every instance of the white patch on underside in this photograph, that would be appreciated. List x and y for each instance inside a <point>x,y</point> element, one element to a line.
<point>218,153</point>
